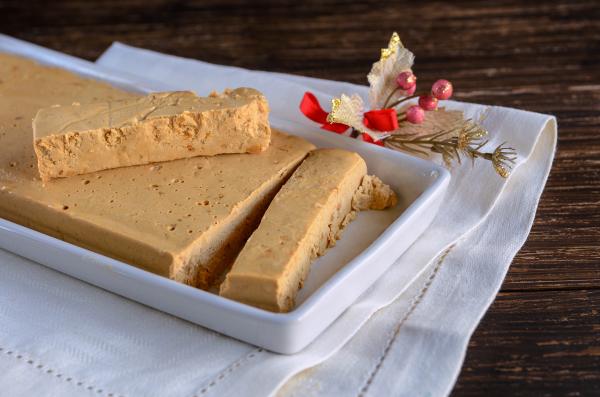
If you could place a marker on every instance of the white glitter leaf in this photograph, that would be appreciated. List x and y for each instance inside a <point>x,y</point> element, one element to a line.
<point>382,78</point>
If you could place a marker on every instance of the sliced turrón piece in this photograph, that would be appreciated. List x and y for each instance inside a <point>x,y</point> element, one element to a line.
<point>304,218</point>
<point>82,138</point>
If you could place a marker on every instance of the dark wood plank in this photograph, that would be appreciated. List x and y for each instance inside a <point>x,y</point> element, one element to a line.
<point>536,344</point>
<point>540,337</point>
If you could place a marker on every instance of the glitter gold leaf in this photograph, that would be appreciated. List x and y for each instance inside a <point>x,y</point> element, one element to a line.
<point>349,110</point>
<point>382,78</point>
<point>391,48</point>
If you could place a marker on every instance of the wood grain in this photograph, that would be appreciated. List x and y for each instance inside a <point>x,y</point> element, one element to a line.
<point>534,343</point>
<point>541,336</point>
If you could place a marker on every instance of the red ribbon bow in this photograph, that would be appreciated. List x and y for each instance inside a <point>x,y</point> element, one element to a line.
<point>380,120</point>
<point>312,109</point>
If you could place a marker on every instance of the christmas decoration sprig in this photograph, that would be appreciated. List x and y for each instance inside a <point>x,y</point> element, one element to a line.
<point>392,86</point>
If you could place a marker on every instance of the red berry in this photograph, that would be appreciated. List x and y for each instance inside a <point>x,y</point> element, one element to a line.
<point>406,80</point>
<point>415,114</point>
<point>442,89</point>
<point>428,102</point>
<point>411,90</point>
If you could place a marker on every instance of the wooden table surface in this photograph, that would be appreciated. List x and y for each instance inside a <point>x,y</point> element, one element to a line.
<point>542,334</point>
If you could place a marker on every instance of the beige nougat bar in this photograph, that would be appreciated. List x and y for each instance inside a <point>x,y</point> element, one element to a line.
<point>82,138</point>
<point>303,220</point>
<point>183,219</point>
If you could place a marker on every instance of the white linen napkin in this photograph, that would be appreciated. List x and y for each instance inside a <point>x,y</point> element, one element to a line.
<point>60,336</point>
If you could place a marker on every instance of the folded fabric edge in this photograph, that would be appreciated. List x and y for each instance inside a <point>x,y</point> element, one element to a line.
<point>331,87</point>
<point>550,131</point>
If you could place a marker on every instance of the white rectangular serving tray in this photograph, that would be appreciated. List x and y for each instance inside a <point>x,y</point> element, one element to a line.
<point>368,246</point>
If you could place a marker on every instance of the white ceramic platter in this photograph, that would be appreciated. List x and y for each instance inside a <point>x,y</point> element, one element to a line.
<point>367,249</point>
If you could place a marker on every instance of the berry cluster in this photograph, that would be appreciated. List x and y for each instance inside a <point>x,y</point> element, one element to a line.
<point>407,82</point>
